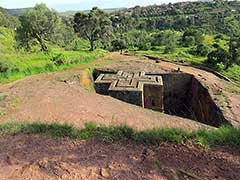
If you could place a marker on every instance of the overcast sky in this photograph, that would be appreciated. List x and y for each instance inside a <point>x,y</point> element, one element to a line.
<point>63,5</point>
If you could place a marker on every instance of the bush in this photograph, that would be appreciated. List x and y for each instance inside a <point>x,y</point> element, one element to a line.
<point>58,59</point>
<point>3,67</point>
<point>188,41</point>
<point>169,49</point>
<point>144,46</point>
<point>200,50</point>
<point>218,56</point>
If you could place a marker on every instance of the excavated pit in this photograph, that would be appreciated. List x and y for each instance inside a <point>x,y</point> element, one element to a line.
<point>183,95</point>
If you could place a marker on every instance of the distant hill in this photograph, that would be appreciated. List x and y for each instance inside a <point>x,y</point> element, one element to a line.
<point>71,13</point>
<point>66,13</point>
<point>16,11</point>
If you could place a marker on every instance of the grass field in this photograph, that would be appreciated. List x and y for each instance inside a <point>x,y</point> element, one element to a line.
<point>20,65</point>
<point>207,138</point>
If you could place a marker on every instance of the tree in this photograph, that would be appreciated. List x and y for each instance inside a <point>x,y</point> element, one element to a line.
<point>138,39</point>
<point>201,50</point>
<point>218,56</point>
<point>234,51</point>
<point>192,37</point>
<point>93,26</point>
<point>7,20</point>
<point>64,33</point>
<point>37,23</point>
<point>118,44</point>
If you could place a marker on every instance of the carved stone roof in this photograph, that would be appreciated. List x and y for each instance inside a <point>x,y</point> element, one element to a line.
<point>129,81</point>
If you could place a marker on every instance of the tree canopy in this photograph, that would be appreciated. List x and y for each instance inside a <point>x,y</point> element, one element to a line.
<point>38,24</point>
<point>93,26</point>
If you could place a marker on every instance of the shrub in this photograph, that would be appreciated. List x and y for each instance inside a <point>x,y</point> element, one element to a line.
<point>58,59</point>
<point>200,50</point>
<point>144,46</point>
<point>3,67</point>
<point>169,49</point>
<point>218,56</point>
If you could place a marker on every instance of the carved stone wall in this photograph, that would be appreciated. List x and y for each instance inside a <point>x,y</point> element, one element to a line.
<point>133,87</point>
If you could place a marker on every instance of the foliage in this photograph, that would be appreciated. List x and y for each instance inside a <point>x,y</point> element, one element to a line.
<point>191,37</point>
<point>234,50</point>
<point>222,136</point>
<point>63,34</point>
<point>93,26</point>
<point>8,21</point>
<point>58,59</point>
<point>201,50</point>
<point>206,16</point>
<point>7,40</point>
<point>37,24</point>
<point>136,39</point>
<point>164,38</point>
<point>118,44</point>
<point>228,58</point>
<point>78,44</point>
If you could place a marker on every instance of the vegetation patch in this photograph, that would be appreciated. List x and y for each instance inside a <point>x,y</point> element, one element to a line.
<point>223,136</point>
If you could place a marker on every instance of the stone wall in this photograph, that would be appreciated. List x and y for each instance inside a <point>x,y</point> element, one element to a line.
<point>153,97</point>
<point>176,89</point>
<point>203,106</point>
<point>185,96</point>
<point>132,97</point>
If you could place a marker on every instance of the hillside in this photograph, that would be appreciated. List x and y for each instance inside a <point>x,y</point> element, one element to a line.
<point>16,11</point>
<point>208,16</point>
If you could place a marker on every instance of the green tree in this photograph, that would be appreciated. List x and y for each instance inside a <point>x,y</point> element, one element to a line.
<point>37,23</point>
<point>64,33</point>
<point>7,20</point>
<point>163,38</point>
<point>192,37</point>
<point>218,56</point>
<point>119,44</point>
<point>201,50</point>
<point>93,26</point>
<point>234,51</point>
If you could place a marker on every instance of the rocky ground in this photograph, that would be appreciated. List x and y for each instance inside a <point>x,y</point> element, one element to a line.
<point>37,158</point>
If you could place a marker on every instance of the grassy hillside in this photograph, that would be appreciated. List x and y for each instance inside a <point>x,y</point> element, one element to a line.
<point>15,64</point>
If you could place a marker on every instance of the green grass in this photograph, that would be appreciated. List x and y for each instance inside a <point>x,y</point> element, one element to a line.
<point>223,136</point>
<point>20,65</point>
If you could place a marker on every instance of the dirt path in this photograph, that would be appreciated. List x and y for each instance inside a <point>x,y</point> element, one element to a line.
<point>35,157</point>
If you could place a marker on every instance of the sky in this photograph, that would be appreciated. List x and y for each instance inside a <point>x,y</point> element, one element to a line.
<point>63,5</point>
